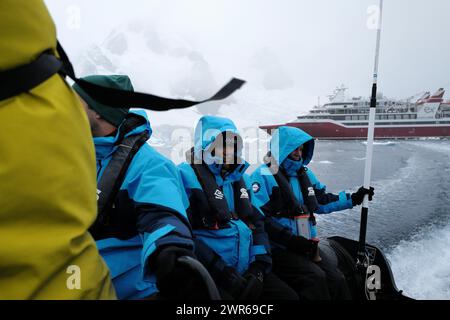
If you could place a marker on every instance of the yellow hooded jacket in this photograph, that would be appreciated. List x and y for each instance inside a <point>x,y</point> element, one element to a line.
<point>47,175</point>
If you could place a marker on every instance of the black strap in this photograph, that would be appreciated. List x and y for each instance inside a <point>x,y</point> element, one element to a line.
<point>291,204</point>
<point>26,77</point>
<point>130,123</point>
<point>242,203</point>
<point>309,196</point>
<point>114,174</point>
<point>218,207</point>
<point>119,98</point>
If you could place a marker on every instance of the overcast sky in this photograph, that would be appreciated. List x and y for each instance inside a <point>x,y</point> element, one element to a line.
<point>317,45</point>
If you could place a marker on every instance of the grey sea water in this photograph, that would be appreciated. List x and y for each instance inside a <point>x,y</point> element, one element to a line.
<point>411,181</point>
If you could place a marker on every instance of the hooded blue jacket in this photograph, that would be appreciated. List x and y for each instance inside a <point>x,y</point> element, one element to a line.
<point>285,140</point>
<point>237,245</point>
<point>149,212</point>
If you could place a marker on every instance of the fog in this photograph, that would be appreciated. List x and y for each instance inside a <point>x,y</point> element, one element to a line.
<point>290,52</point>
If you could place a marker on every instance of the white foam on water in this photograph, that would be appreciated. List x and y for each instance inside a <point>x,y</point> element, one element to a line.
<point>378,143</point>
<point>325,162</point>
<point>429,138</point>
<point>438,146</point>
<point>421,265</point>
<point>359,159</point>
<point>421,262</point>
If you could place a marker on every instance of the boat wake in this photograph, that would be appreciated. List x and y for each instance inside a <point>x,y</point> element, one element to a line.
<point>421,264</point>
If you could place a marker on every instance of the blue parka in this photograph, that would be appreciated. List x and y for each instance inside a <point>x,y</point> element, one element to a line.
<point>149,211</point>
<point>285,140</point>
<point>237,245</point>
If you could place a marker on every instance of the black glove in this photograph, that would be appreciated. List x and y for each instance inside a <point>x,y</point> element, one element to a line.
<point>232,282</point>
<point>255,281</point>
<point>302,245</point>
<point>358,196</point>
<point>174,280</point>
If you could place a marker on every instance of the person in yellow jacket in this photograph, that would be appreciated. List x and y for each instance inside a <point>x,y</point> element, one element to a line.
<point>47,175</point>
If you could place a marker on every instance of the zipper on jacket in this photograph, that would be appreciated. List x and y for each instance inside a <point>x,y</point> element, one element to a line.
<point>238,243</point>
<point>99,168</point>
<point>297,232</point>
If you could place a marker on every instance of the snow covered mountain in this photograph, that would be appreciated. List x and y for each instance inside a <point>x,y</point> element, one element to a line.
<point>166,65</point>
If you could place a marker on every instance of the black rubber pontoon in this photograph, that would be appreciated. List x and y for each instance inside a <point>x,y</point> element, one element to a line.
<point>344,252</point>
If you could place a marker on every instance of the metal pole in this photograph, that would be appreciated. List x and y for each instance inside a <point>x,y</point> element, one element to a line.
<point>369,148</point>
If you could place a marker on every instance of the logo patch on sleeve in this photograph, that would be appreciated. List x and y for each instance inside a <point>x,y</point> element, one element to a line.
<point>256,187</point>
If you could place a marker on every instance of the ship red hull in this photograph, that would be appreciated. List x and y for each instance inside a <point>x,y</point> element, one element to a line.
<point>329,130</point>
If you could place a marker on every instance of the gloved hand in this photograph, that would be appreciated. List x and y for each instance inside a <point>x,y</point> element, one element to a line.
<point>255,280</point>
<point>174,280</point>
<point>302,245</point>
<point>358,196</point>
<point>232,282</point>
